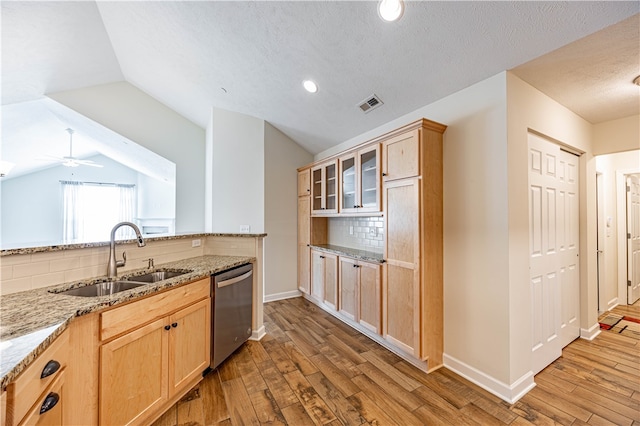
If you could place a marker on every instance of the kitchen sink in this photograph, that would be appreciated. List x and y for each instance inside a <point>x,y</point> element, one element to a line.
<point>152,277</point>
<point>101,289</point>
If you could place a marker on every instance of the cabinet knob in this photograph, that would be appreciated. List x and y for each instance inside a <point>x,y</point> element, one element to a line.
<point>167,327</point>
<point>51,367</point>
<point>321,257</point>
<point>49,402</point>
<point>384,174</point>
<point>355,207</point>
<point>174,325</point>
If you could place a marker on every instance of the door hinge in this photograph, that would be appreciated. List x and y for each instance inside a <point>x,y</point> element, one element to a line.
<point>628,283</point>
<point>628,188</point>
<point>628,235</point>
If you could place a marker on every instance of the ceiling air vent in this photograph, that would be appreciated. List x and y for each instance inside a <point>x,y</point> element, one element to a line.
<point>371,103</point>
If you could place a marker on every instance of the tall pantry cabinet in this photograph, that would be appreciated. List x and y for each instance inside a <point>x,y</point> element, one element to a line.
<point>406,314</point>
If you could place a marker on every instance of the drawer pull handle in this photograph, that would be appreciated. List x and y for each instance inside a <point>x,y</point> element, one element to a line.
<point>49,402</point>
<point>174,325</point>
<point>167,327</point>
<point>51,367</point>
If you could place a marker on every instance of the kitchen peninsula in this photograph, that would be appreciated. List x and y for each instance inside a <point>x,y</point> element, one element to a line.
<point>81,331</point>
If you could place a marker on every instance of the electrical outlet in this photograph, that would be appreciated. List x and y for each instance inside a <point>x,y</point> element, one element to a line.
<point>245,228</point>
<point>373,231</point>
<point>351,230</point>
<point>196,243</point>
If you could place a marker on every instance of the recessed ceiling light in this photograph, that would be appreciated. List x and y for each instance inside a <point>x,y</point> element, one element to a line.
<point>310,86</point>
<point>390,10</point>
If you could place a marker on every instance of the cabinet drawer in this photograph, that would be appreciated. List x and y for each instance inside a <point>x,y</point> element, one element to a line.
<point>29,385</point>
<point>53,414</point>
<point>133,315</point>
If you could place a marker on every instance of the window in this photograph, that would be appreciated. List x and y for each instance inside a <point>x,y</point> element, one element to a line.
<point>90,210</point>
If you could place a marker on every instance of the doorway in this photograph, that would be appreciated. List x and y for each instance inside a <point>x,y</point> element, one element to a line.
<point>554,249</point>
<point>633,237</point>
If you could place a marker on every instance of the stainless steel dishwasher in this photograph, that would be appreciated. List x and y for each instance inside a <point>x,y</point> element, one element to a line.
<point>232,303</point>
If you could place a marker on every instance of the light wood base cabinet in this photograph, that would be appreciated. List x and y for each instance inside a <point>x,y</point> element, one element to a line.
<point>324,278</point>
<point>145,369</point>
<point>359,284</point>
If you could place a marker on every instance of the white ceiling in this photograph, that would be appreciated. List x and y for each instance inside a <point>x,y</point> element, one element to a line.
<point>185,53</point>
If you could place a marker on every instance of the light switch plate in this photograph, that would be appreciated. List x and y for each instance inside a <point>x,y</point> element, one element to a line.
<point>196,243</point>
<point>245,228</point>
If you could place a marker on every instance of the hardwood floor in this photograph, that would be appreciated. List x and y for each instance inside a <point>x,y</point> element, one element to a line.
<point>313,369</point>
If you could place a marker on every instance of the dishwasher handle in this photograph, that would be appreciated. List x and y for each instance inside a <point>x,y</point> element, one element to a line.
<point>234,280</point>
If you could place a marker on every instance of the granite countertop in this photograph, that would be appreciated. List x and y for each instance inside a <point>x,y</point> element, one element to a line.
<point>365,255</point>
<point>31,320</point>
<point>48,247</point>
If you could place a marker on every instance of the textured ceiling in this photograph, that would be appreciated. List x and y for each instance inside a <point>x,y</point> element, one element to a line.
<point>185,53</point>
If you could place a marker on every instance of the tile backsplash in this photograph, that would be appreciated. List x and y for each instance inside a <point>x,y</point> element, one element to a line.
<point>364,233</point>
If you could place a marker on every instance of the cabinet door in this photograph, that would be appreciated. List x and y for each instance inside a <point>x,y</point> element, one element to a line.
<point>304,183</point>
<point>317,275</point>
<point>304,266</point>
<point>369,179</point>
<point>55,401</point>
<point>189,344</point>
<point>401,311</point>
<point>133,374</point>
<point>330,295</point>
<point>401,156</point>
<point>331,187</point>
<point>349,200</point>
<point>349,278</point>
<point>369,296</point>
<point>317,190</point>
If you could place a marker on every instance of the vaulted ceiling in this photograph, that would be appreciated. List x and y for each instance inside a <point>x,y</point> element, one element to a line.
<point>251,57</point>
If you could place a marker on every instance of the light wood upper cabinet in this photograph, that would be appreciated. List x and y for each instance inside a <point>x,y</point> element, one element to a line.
<point>360,181</point>
<point>304,182</point>
<point>401,156</point>
<point>324,188</point>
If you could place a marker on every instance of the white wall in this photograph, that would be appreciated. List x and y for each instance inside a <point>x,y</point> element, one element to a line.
<point>237,172</point>
<point>616,135</point>
<point>32,203</point>
<point>282,157</point>
<point>476,253</point>
<point>613,167</point>
<point>127,110</point>
<point>529,109</point>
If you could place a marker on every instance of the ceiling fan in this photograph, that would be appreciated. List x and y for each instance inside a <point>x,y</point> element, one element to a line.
<point>70,160</point>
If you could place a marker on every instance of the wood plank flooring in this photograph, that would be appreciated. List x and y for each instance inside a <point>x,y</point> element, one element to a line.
<point>310,368</point>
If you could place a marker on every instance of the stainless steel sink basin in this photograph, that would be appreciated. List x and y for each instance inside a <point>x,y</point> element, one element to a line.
<point>101,289</point>
<point>156,276</point>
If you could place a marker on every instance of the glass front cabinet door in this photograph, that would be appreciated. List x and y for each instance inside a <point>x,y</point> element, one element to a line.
<point>324,188</point>
<point>360,177</point>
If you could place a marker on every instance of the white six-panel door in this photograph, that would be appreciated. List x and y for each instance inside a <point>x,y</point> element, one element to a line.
<point>553,243</point>
<point>633,239</point>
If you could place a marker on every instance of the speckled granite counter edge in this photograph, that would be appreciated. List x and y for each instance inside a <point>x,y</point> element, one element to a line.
<point>364,255</point>
<point>25,313</point>
<point>59,247</point>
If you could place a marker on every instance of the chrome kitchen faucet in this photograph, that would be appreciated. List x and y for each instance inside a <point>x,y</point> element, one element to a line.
<point>112,267</point>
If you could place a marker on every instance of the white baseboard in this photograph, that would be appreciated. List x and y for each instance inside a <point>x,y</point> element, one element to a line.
<point>281,296</point>
<point>590,333</point>
<point>509,393</point>
<point>258,334</point>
